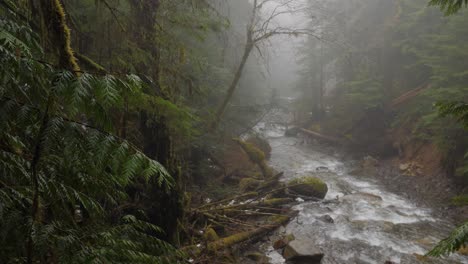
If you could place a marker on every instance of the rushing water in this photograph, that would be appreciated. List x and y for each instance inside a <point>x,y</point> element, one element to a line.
<point>371,225</point>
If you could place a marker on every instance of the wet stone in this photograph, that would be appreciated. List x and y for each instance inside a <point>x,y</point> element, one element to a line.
<point>327,219</point>
<point>322,169</point>
<point>283,242</point>
<point>301,252</point>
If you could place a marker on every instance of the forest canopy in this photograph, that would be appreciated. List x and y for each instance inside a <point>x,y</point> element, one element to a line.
<point>157,131</point>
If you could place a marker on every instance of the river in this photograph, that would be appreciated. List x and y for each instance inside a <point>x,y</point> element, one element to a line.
<point>371,224</point>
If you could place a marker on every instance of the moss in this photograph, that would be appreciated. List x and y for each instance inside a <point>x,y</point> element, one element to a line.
<point>67,56</point>
<point>90,63</point>
<point>217,190</point>
<point>261,143</point>
<point>211,235</point>
<point>460,200</point>
<point>290,237</point>
<point>257,257</point>
<point>309,186</point>
<point>279,219</point>
<point>248,184</point>
<point>266,170</point>
<point>275,221</point>
<point>277,201</point>
<point>255,154</point>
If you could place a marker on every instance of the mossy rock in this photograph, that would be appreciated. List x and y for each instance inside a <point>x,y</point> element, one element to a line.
<point>249,184</point>
<point>309,186</point>
<point>255,154</point>
<point>211,235</point>
<point>261,143</point>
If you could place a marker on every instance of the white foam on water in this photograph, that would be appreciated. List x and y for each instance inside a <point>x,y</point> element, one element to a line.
<point>367,229</point>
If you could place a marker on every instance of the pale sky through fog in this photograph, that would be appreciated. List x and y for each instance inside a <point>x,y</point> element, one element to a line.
<point>282,57</point>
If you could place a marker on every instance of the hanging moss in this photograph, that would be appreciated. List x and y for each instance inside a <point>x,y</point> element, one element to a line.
<point>67,56</point>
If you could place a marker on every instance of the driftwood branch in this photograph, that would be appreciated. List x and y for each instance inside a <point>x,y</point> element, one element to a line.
<point>321,136</point>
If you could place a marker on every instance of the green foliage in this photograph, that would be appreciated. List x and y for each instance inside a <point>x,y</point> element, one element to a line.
<point>460,200</point>
<point>449,6</point>
<point>459,110</point>
<point>60,159</point>
<point>451,244</point>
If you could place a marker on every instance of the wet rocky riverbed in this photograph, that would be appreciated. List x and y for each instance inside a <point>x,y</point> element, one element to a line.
<point>359,221</point>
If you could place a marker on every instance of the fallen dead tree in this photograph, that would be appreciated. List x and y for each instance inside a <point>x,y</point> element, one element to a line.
<point>243,236</point>
<point>317,135</point>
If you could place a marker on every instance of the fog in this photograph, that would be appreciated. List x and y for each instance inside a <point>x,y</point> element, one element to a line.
<point>234,131</point>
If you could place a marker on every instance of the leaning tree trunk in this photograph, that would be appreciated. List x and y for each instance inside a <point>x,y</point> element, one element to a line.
<point>233,86</point>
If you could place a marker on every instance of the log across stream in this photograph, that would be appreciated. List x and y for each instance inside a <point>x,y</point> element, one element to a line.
<point>370,224</point>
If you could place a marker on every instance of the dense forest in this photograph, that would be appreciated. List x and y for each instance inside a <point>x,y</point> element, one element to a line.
<point>157,131</point>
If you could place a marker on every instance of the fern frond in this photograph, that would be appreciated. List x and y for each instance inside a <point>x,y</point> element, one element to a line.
<point>454,242</point>
<point>449,7</point>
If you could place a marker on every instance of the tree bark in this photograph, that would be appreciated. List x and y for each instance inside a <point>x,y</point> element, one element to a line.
<point>233,86</point>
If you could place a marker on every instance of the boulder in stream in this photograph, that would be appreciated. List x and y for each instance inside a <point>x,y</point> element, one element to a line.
<point>327,219</point>
<point>309,186</point>
<point>301,252</point>
<point>292,132</point>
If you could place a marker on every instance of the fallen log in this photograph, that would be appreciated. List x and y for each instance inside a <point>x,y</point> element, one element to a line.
<point>270,183</point>
<point>408,95</point>
<point>320,136</point>
<point>243,236</point>
<point>265,203</point>
<point>237,197</point>
<point>275,222</point>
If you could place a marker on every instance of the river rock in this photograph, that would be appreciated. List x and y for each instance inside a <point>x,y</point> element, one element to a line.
<point>292,132</point>
<point>302,252</point>
<point>322,169</point>
<point>327,219</point>
<point>283,242</point>
<point>404,166</point>
<point>309,186</point>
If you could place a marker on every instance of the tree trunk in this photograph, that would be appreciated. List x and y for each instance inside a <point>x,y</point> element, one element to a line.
<point>233,86</point>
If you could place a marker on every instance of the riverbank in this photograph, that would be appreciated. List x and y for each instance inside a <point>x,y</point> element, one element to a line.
<point>374,220</point>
